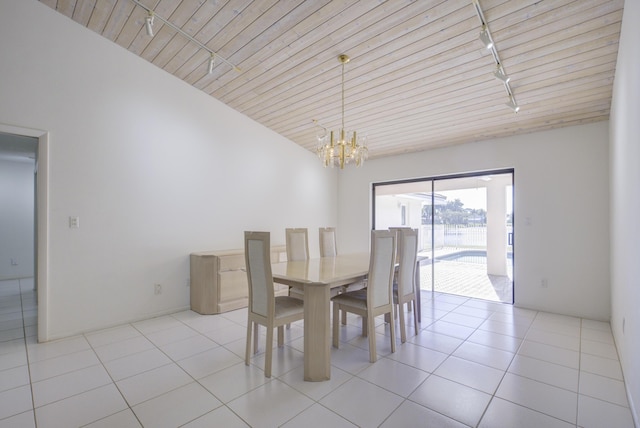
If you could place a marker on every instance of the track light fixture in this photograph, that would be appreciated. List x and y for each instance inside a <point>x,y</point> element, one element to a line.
<point>513,105</point>
<point>501,75</point>
<point>485,38</point>
<point>148,23</point>
<point>487,41</point>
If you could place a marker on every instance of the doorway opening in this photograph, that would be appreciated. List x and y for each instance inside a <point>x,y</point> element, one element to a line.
<point>465,225</point>
<point>23,248</point>
<point>17,236</point>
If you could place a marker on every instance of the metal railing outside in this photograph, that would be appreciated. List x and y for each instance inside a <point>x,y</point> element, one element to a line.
<point>456,236</point>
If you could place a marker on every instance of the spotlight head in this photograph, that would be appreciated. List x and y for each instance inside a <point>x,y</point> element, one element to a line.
<point>513,105</point>
<point>501,75</point>
<point>485,38</point>
<point>148,23</point>
<point>212,63</point>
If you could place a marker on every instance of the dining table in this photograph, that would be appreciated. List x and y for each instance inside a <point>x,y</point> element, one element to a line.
<point>316,277</point>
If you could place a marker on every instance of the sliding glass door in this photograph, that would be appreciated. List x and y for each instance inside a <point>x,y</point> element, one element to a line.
<point>466,230</point>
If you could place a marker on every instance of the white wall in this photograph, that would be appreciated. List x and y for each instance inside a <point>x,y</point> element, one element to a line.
<point>16,218</point>
<point>625,203</point>
<point>154,168</point>
<point>561,186</point>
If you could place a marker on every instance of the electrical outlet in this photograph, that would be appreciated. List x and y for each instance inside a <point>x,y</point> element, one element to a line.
<point>188,282</point>
<point>544,283</point>
<point>157,289</point>
<point>74,222</point>
<point>14,262</point>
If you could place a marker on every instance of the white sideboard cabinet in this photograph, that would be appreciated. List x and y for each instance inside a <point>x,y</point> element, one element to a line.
<point>219,280</point>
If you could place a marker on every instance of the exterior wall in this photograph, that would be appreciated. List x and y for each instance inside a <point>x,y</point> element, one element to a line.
<point>389,213</point>
<point>560,209</point>
<point>154,168</point>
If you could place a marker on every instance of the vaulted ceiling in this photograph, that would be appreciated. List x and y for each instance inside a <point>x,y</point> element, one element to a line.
<point>419,77</point>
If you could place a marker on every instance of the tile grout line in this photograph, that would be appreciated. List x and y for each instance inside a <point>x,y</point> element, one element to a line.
<point>26,350</point>
<point>225,405</point>
<point>504,374</point>
<point>112,381</point>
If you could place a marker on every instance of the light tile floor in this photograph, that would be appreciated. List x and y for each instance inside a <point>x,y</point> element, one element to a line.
<point>473,364</point>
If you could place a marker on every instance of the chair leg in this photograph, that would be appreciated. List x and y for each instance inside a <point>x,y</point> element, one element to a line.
<point>247,352</point>
<point>415,316</point>
<point>373,355</point>
<point>255,338</point>
<point>280,337</point>
<point>393,335</point>
<point>336,330</point>
<point>365,331</point>
<point>269,352</point>
<point>403,330</point>
<point>344,317</point>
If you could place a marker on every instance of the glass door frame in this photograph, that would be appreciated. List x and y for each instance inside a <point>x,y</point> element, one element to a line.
<point>448,177</point>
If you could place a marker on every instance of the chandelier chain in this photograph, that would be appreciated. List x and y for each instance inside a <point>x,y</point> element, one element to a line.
<point>343,95</point>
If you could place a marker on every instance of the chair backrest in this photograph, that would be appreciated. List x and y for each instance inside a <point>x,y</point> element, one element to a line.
<point>297,244</point>
<point>328,245</point>
<point>381,268</point>
<point>407,255</point>
<point>257,255</point>
<point>397,229</point>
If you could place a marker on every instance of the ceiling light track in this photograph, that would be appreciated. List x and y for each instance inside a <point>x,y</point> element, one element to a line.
<point>149,21</point>
<point>499,73</point>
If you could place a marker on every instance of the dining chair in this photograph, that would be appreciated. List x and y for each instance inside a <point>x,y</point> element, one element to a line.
<point>265,308</point>
<point>297,243</point>
<point>329,248</point>
<point>397,229</point>
<point>377,298</point>
<point>297,246</point>
<point>404,281</point>
<point>328,244</point>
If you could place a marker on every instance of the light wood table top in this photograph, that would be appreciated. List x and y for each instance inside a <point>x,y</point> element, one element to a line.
<point>326,271</point>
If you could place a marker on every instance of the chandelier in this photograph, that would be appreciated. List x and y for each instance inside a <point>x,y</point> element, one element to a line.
<point>344,146</point>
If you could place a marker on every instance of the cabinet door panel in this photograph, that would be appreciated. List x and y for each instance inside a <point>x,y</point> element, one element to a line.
<point>233,285</point>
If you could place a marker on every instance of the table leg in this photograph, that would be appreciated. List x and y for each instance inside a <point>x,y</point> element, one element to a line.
<point>317,333</point>
<point>417,291</point>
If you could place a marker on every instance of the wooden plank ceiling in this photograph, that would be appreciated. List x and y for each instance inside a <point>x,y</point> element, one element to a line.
<point>419,77</point>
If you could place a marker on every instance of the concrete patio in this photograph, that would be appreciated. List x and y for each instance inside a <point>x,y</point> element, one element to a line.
<point>466,279</point>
